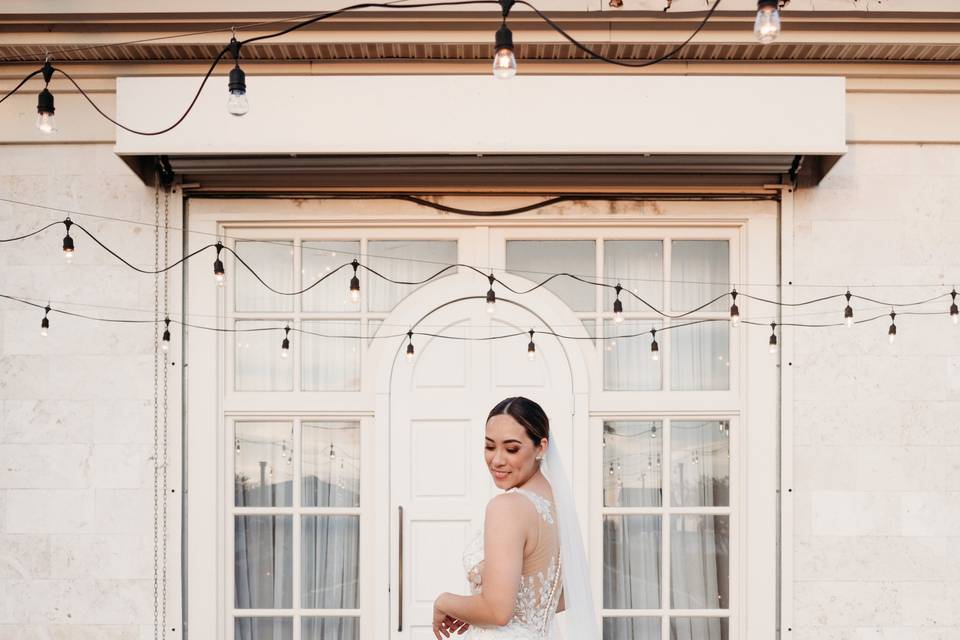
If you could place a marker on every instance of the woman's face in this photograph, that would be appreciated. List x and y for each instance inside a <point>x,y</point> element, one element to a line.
<point>510,454</point>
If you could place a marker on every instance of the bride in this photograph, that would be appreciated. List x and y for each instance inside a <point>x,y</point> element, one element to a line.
<point>529,562</point>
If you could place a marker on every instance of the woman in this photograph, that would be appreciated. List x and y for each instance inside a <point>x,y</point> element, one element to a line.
<point>530,562</point>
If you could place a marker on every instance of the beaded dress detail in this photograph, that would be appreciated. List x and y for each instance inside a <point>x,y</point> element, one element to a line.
<point>541,581</point>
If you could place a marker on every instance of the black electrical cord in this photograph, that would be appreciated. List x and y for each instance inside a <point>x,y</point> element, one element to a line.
<point>622,63</point>
<point>355,7</point>
<point>487,276</point>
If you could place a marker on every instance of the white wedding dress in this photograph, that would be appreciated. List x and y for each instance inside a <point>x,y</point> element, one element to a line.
<point>541,581</point>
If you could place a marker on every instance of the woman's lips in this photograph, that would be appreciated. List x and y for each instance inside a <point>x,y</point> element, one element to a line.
<point>500,474</point>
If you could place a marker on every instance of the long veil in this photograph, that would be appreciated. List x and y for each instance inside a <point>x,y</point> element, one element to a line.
<point>579,611</point>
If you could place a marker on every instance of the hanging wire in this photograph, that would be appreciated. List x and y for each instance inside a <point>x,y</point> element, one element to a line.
<point>336,12</point>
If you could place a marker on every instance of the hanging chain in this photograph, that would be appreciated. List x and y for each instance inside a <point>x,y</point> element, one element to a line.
<point>160,236</point>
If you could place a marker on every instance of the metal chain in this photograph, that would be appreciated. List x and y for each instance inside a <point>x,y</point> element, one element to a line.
<point>163,421</point>
<point>157,633</point>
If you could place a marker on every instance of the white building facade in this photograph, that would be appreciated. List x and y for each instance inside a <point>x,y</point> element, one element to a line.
<point>327,490</point>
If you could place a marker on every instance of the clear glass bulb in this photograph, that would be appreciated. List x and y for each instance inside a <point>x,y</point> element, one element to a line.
<point>284,353</point>
<point>892,337</point>
<point>735,321</point>
<point>618,317</point>
<point>531,355</point>
<point>849,322</point>
<point>955,318</point>
<point>68,256</point>
<point>655,356</point>
<point>773,348</point>
<point>766,28</point>
<point>504,64</point>
<point>220,279</point>
<point>43,331</point>
<point>409,357</point>
<point>237,103</point>
<point>165,345</point>
<point>46,122</point>
<point>354,295</point>
<point>491,307</point>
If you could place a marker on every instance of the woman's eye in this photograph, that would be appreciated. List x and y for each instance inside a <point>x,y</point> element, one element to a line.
<point>512,450</point>
<point>489,448</point>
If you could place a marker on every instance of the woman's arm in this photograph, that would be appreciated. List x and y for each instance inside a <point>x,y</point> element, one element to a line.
<point>504,535</point>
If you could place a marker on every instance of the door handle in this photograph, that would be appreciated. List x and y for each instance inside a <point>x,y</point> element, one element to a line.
<point>400,571</point>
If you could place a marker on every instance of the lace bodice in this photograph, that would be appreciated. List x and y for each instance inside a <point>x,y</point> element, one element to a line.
<point>540,579</point>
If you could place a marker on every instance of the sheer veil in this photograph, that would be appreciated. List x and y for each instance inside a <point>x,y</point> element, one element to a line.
<point>579,610</point>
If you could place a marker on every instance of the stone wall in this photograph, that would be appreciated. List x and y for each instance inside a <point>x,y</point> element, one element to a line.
<point>76,407</point>
<point>877,433</point>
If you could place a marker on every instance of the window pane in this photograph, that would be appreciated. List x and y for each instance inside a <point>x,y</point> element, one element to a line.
<point>638,266</point>
<point>331,464</point>
<point>627,362</point>
<point>263,468</point>
<point>263,565</point>
<point>331,629</point>
<point>631,628</point>
<point>700,271</point>
<point>273,261</point>
<point>699,629</point>
<point>318,259</point>
<point>700,463</point>
<point>632,462</point>
<point>700,562</point>
<point>408,260</point>
<point>538,259</point>
<point>330,363</point>
<point>263,629</point>
<point>631,562</point>
<point>591,326</point>
<point>259,365</point>
<point>330,564</point>
<point>701,357</point>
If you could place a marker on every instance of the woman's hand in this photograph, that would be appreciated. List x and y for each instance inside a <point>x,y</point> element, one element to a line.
<point>444,624</point>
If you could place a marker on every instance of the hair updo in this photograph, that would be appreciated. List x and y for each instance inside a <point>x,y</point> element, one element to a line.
<point>528,413</point>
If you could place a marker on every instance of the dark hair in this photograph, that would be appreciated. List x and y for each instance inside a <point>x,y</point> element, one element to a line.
<point>528,413</point>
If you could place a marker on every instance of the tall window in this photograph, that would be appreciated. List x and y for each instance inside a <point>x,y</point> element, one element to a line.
<point>665,506</point>
<point>296,510</point>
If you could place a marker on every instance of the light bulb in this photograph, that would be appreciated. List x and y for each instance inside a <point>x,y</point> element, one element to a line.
<point>237,103</point>
<point>410,352</point>
<point>504,64</point>
<point>734,316</point>
<point>766,28</point>
<point>892,337</point>
<point>618,308</point>
<point>46,122</point>
<point>491,307</point>
<point>355,284</point>
<point>954,317</point>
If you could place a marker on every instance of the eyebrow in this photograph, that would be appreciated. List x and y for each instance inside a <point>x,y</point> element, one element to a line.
<point>504,442</point>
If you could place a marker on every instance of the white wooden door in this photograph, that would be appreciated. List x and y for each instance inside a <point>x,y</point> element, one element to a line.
<point>439,403</point>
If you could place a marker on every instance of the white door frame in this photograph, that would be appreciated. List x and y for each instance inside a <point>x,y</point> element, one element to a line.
<point>549,310</point>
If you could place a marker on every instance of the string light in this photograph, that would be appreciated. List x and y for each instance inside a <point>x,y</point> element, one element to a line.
<point>218,271</point>
<point>285,345</point>
<point>773,337</point>
<point>617,305</point>
<point>848,311</point>
<point>954,312</point>
<point>491,296</point>
<point>45,323</point>
<point>504,61</point>
<point>654,347</point>
<point>892,331</point>
<point>734,310</point>
<point>68,242</point>
<point>165,342</point>
<point>45,119</point>
<point>410,346</point>
<point>766,27</point>
<point>531,348</point>
<point>355,282</point>
<point>237,103</point>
